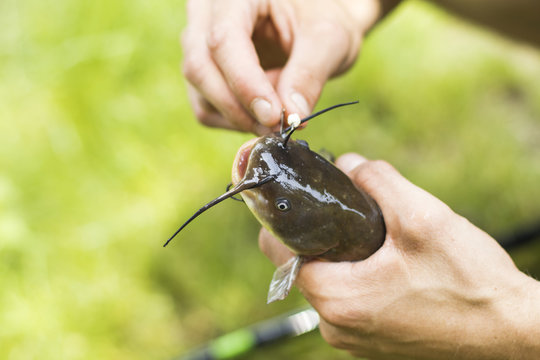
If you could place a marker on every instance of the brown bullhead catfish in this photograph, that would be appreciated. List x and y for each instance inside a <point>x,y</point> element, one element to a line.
<point>304,201</point>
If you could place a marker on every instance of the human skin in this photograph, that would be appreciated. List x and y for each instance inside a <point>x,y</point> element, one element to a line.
<point>245,60</point>
<point>438,288</point>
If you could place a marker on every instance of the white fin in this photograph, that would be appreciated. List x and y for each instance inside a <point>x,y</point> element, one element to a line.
<point>283,279</point>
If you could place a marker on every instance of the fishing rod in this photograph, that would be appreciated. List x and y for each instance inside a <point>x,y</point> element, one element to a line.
<point>244,340</point>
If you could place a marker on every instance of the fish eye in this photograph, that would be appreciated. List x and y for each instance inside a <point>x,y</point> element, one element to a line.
<point>283,204</point>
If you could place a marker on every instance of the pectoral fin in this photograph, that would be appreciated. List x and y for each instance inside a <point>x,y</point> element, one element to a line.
<point>283,279</point>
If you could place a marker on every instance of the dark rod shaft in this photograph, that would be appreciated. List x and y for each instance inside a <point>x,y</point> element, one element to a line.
<point>246,339</point>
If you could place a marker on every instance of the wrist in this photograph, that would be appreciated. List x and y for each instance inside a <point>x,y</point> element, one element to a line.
<point>500,322</point>
<point>522,314</point>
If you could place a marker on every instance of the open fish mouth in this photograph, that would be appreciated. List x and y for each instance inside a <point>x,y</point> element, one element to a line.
<point>241,161</point>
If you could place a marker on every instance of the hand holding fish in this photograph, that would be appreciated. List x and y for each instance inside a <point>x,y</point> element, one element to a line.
<point>247,60</point>
<point>439,287</point>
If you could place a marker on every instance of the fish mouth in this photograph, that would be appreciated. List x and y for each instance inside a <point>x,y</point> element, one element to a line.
<point>241,161</point>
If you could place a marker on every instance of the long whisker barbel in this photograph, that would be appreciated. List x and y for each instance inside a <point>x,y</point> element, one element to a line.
<point>291,129</point>
<point>250,184</point>
<point>241,186</point>
<point>233,197</point>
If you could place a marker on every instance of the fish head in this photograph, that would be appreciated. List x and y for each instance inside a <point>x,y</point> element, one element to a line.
<point>307,202</point>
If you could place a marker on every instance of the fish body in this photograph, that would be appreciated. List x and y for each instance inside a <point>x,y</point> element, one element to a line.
<point>309,205</point>
<point>303,200</point>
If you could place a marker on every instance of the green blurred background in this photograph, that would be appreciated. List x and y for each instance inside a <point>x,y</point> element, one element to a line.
<point>101,159</point>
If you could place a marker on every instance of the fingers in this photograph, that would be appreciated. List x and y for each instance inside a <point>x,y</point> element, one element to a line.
<point>208,115</point>
<point>273,249</point>
<point>377,178</point>
<point>205,112</point>
<point>321,49</point>
<point>233,51</point>
<point>336,337</point>
<point>406,208</point>
<point>211,96</point>
<point>349,161</point>
<point>223,66</point>
<point>316,279</point>
<point>381,180</point>
<point>210,86</point>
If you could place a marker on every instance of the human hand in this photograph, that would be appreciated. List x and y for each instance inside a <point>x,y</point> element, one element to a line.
<point>245,60</point>
<point>438,288</point>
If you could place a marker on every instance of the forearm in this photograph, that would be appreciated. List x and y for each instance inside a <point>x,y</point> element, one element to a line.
<point>481,323</point>
<point>505,327</point>
<point>519,19</point>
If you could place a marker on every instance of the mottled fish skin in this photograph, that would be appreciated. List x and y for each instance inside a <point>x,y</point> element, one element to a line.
<point>328,218</point>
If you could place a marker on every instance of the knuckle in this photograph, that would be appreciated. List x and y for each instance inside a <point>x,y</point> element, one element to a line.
<point>339,315</point>
<point>346,313</point>
<point>331,338</point>
<point>203,116</point>
<point>328,28</point>
<point>216,37</point>
<point>334,316</point>
<point>200,114</point>
<point>332,32</point>
<point>193,68</point>
<point>380,167</point>
<point>438,219</point>
<point>370,172</point>
<point>237,118</point>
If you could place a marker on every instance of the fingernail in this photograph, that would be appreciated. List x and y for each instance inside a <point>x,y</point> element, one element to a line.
<point>262,110</point>
<point>300,103</point>
<point>350,161</point>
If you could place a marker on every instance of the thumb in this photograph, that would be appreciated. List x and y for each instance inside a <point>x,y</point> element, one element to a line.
<point>317,53</point>
<point>349,161</point>
<point>405,206</point>
<point>379,179</point>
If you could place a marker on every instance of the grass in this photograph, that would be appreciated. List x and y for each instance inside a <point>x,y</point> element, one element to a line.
<point>101,159</point>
